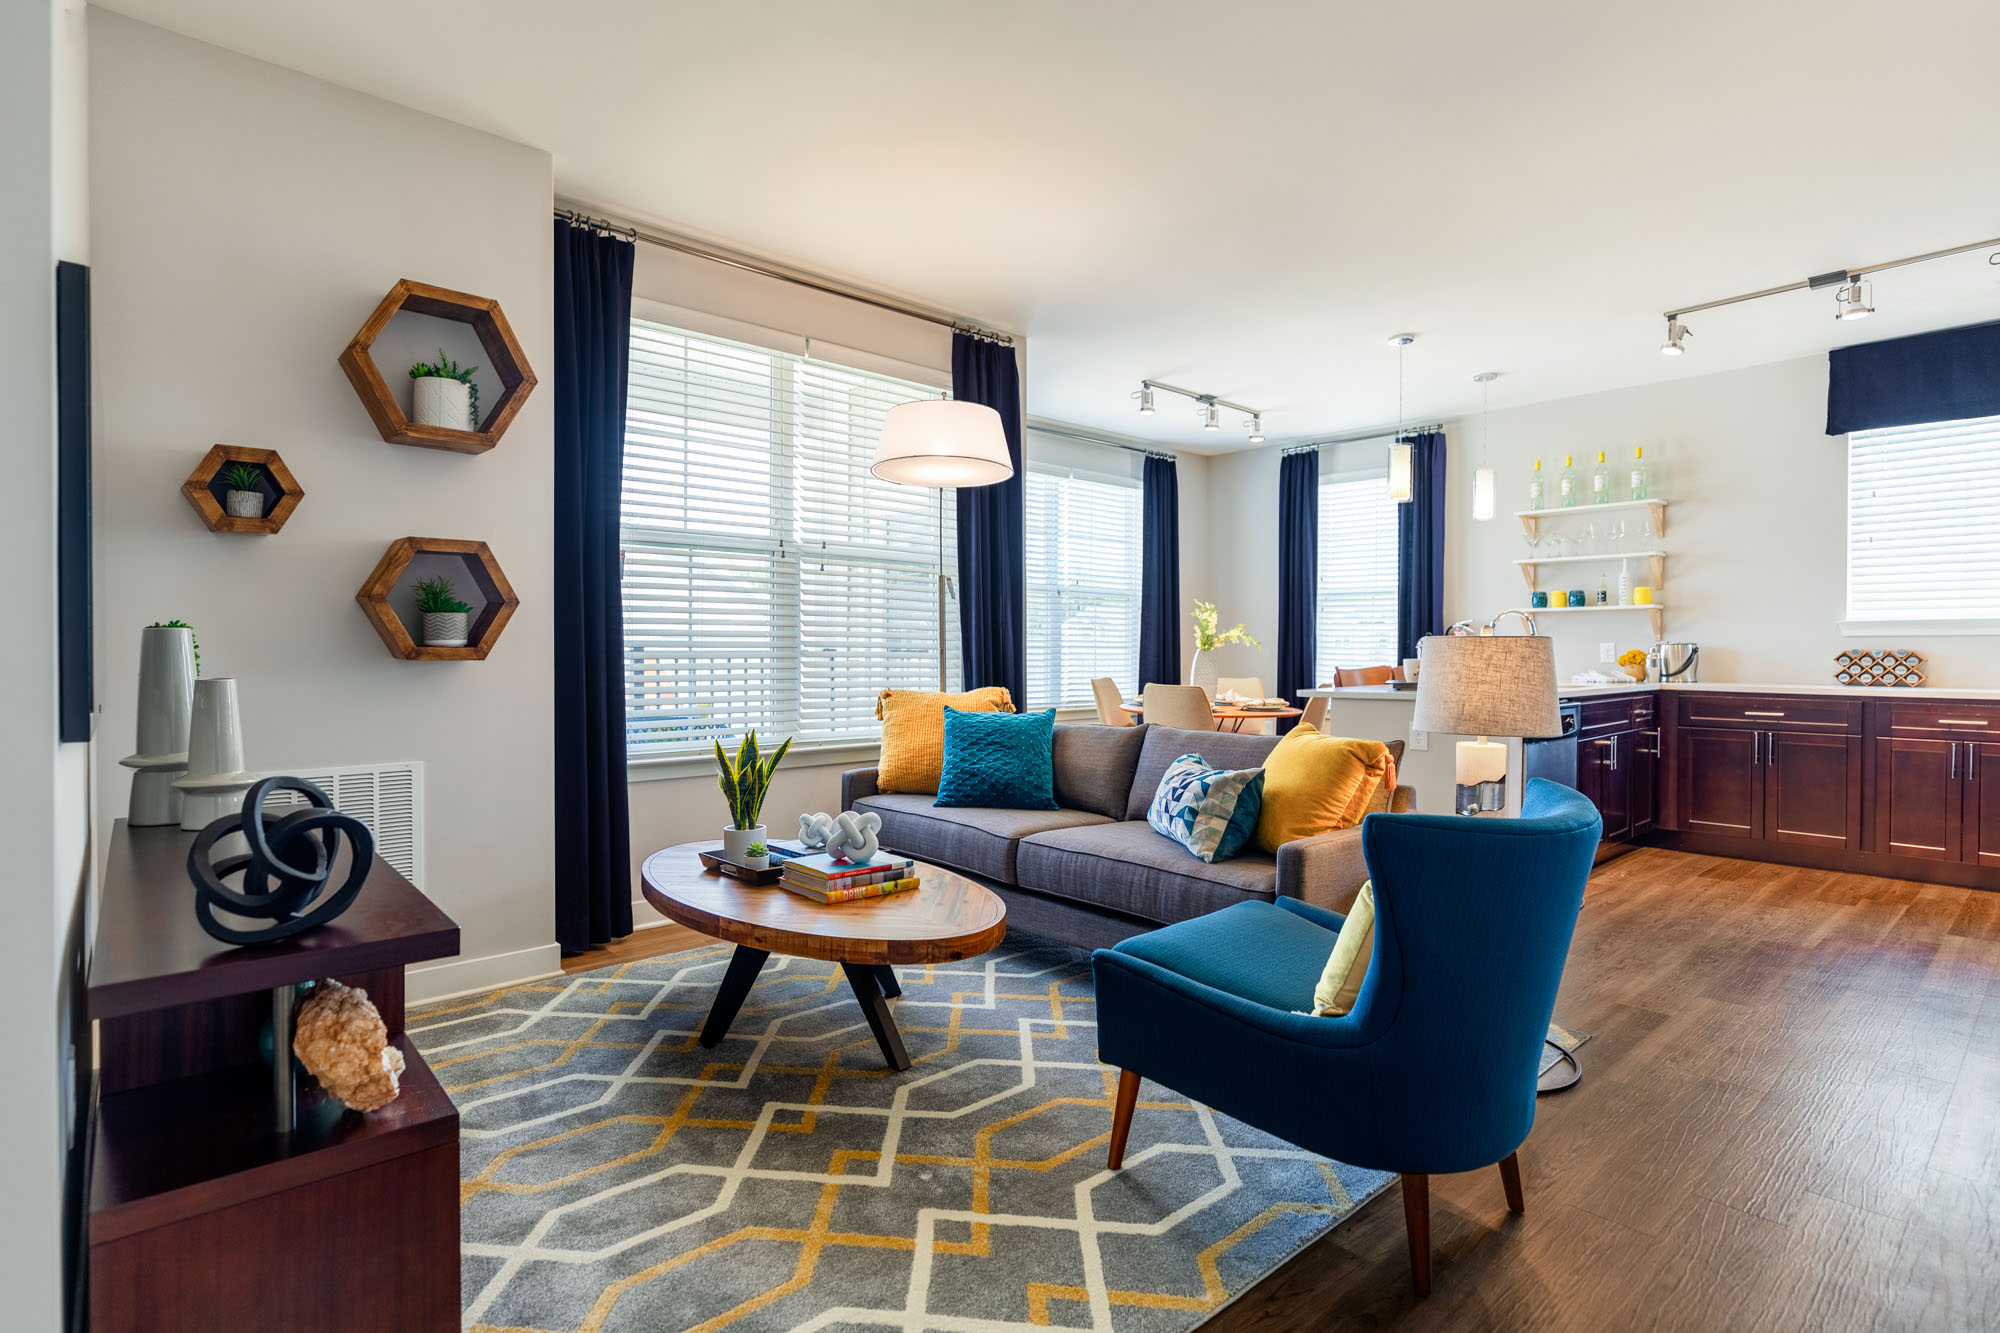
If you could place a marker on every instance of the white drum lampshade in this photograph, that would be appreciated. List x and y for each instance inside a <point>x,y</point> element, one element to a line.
<point>939,442</point>
<point>1486,685</point>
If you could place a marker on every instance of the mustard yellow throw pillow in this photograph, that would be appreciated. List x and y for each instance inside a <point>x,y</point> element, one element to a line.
<point>1314,783</point>
<point>913,733</point>
<point>1340,984</point>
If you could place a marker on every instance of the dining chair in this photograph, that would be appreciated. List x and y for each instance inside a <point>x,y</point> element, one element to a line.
<point>1110,702</point>
<point>1183,706</point>
<point>1375,675</point>
<point>1314,715</point>
<point>1251,687</point>
<point>1434,1068</point>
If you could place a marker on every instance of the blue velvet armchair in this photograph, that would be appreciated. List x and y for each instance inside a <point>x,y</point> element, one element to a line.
<point>1434,1070</point>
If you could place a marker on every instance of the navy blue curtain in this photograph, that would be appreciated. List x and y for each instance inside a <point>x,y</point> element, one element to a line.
<point>1420,545</point>
<point>593,328</point>
<point>1160,575</point>
<point>992,569</point>
<point>1298,573</point>
<point>1948,375</point>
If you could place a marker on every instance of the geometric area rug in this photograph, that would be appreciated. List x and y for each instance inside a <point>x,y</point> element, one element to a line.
<point>615,1175</point>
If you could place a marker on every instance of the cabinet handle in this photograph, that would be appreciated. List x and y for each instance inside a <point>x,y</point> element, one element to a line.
<point>1954,761</point>
<point>1970,750</point>
<point>1961,722</point>
<point>1752,712</point>
<point>1756,741</point>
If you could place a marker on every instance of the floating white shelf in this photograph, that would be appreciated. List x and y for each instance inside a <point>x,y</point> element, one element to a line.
<point>1531,519</point>
<point>1656,563</point>
<point>1656,612</point>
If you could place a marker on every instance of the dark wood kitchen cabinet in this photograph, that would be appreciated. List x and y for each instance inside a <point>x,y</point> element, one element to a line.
<point>1812,789</point>
<point>1755,767</point>
<point>1717,776</point>
<point>1617,753</point>
<point>1918,801</point>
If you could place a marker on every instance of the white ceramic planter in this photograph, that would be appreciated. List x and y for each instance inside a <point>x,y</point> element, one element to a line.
<point>216,780</point>
<point>244,504</point>
<point>444,629</point>
<point>436,401</point>
<point>736,842</point>
<point>1201,671</point>
<point>166,700</point>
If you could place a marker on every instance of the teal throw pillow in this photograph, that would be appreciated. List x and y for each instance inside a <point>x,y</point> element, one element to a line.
<point>1002,761</point>
<point>1210,811</point>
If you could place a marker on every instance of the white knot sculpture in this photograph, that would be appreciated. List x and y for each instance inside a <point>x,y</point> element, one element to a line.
<point>815,829</point>
<point>853,837</point>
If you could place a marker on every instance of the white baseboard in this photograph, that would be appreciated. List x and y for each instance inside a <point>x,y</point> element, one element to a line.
<point>473,976</point>
<point>645,916</point>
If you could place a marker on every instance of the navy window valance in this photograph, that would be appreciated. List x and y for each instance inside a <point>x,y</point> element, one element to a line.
<point>1948,375</point>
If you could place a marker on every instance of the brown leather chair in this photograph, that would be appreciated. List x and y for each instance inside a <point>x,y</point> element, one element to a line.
<point>1375,675</point>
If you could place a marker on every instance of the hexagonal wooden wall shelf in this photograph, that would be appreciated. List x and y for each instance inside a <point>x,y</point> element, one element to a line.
<point>503,354</point>
<point>209,494</point>
<point>480,566</point>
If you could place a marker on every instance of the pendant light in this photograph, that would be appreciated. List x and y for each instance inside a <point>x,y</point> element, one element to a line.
<point>1399,450</point>
<point>1482,480</point>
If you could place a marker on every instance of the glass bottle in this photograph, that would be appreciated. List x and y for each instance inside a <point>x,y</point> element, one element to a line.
<point>1536,495</point>
<point>1566,484</point>
<point>1603,591</point>
<point>1600,481</point>
<point>1640,490</point>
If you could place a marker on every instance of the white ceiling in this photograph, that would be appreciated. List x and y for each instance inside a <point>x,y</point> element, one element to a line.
<point>1247,199</point>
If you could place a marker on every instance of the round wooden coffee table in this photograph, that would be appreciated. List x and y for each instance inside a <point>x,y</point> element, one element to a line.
<point>944,919</point>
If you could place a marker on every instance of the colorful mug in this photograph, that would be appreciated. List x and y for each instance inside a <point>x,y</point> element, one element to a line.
<point>1576,597</point>
<point>1538,600</point>
<point>1642,594</point>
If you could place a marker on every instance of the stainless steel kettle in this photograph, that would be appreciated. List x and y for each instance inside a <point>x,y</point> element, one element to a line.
<point>1674,662</point>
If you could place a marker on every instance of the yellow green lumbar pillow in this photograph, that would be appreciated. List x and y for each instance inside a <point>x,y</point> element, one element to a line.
<point>913,733</point>
<point>1340,984</point>
<point>1314,783</point>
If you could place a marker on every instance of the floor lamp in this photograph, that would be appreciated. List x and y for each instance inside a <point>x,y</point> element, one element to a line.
<point>1488,685</point>
<point>942,444</point>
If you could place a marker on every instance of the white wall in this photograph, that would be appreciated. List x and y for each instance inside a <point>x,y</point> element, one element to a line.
<point>247,220</point>
<point>1756,528</point>
<point>44,788</point>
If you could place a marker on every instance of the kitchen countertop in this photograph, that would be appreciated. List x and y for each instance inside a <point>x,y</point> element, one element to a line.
<point>1359,692</point>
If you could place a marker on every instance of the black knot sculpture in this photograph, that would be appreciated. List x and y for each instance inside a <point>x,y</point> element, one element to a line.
<point>288,868</point>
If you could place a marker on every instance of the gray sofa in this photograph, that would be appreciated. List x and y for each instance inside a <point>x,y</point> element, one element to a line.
<point>1094,872</point>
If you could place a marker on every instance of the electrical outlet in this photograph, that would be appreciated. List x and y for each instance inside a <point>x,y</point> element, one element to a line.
<point>1420,740</point>
<point>1607,652</point>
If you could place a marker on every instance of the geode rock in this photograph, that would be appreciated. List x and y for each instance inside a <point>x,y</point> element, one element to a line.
<point>341,1040</point>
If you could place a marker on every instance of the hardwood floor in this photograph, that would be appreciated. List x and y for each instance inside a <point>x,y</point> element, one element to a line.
<point>1789,1119</point>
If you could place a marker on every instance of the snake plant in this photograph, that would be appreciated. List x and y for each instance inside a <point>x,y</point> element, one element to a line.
<point>745,780</point>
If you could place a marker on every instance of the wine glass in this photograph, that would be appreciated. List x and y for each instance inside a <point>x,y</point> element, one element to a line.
<point>1589,538</point>
<point>1616,533</point>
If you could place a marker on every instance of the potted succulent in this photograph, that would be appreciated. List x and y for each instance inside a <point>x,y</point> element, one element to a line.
<point>1201,671</point>
<point>245,496</point>
<point>744,781</point>
<point>442,394</point>
<point>757,856</point>
<point>444,615</point>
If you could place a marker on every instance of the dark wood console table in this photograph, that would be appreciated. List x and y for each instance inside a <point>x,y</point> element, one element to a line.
<point>205,1211</point>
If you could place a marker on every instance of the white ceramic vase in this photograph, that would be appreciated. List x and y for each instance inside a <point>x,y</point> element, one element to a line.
<point>215,780</point>
<point>244,504</point>
<point>436,401</point>
<point>444,629</point>
<point>1201,671</point>
<point>166,697</point>
<point>736,842</point>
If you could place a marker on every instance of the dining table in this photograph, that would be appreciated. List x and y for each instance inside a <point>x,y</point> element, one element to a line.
<point>1235,715</point>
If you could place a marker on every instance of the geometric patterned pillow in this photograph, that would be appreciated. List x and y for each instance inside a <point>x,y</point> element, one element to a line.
<point>1210,811</point>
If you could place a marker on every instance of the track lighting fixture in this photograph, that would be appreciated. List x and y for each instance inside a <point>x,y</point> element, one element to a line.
<point>1400,489</point>
<point>1482,480</point>
<point>1210,407</point>
<point>1854,301</point>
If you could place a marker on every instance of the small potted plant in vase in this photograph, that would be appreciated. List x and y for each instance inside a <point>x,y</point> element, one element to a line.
<point>1202,671</point>
<point>757,856</point>
<point>744,782</point>
<point>444,615</point>
<point>442,394</point>
<point>244,497</point>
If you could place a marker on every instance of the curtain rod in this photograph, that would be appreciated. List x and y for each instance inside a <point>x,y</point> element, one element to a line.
<point>1049,428</point>
<point>766,269</point>
<point>1367,435</point>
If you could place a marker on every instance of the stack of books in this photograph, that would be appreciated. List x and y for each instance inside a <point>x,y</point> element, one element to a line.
<point>825,880</point>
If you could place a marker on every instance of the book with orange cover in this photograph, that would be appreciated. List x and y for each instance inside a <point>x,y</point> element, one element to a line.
<point>848,895</point>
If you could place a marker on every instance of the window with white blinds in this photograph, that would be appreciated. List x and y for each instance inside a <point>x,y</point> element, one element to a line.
<point>769,579</point>
<point>1083,539</point>
<point>1355,624</point>
<point>1923,522</point>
